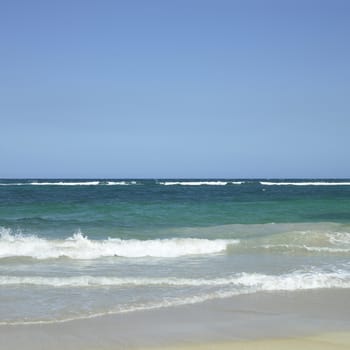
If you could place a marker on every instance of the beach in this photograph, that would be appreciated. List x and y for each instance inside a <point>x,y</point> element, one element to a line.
<point>175,175</point>
<point>309,320</point>
<point>194,264</point>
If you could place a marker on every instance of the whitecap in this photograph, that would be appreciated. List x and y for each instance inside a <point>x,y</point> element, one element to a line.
<point>200,183</point>
<point>319,183</point>
<point>81,247</point>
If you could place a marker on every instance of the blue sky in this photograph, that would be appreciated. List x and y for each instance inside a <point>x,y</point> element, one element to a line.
<point>174,88</point>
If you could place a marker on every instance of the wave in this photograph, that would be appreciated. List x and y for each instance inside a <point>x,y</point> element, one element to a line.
<point>62,183</point>
<point>301,248</point>
<point>81,247</point>
<point>231,239</point>
<point>173,183</point>
<point>59,183</point>
<point>327,249</point>
<point>200,183</point>
<point>70,183</point>
<point>242,282</point>
<point>119,183</point>
<point>320,183</point>
<point>319,239</point>
<point>239,284</point>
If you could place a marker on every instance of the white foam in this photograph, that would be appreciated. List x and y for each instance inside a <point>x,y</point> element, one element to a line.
<point>320,183</point>
<point>255,282</point>
<point>121,183</point>
<point>240,282</point>
<point>296,281</point>
<point>339,238</point>
<point>243,283</point>
<point>59,183</point>
<point>70,183</point>
<point>296,247</point>
<point>64,183</point>
<point>200,183</point>
<point>80,247</point>
<point>95,281</point>
<point>327,249</point>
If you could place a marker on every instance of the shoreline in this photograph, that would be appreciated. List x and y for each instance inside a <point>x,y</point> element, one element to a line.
<point>243,321</point>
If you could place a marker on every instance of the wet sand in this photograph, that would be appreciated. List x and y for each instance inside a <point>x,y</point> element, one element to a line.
<point>307,320</point>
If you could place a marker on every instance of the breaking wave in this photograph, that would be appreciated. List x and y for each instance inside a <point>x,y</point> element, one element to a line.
<point>241,282</point>
<point>200,183</point>
<point>70,183</point>
<point>105,182</point>
<point>320,183</point>
<point>119,183</point>
<point>81,247</point>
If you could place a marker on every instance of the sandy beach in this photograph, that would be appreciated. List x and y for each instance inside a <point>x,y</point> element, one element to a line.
<point>327,341</point>
<point>307,320</point>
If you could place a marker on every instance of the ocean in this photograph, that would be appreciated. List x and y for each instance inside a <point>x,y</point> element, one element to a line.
<point>74,249</point>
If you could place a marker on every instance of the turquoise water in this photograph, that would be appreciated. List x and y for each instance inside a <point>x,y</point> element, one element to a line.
<point>148,209</point>
<point>80,248</point>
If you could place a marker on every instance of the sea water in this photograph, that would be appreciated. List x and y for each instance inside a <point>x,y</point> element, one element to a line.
<point>72,249</point>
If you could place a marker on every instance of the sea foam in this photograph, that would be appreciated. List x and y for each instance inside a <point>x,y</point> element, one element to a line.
<point>70,183</point>
<point>80,247</point>
<point>241,282</point>
<point>120,183</point>
<point>200,183</point>
<point>309,183</point>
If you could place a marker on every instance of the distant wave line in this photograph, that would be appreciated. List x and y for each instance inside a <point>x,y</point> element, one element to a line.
<point>68,183</point>
<point>200,183</point>
<point>320,183</point>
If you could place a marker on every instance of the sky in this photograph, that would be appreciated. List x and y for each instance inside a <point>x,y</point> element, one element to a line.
<point>169,89</point>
